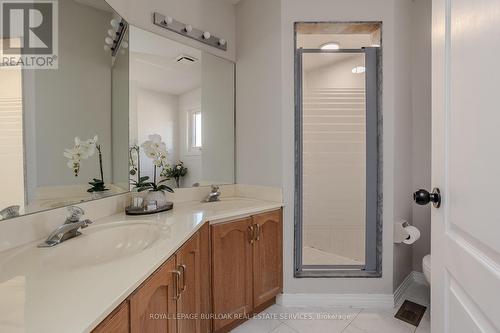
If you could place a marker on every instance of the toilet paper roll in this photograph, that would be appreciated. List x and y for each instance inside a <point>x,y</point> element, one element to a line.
<point>414,234</point>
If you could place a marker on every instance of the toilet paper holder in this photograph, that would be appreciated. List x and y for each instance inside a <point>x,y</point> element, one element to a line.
<point>400,233</point>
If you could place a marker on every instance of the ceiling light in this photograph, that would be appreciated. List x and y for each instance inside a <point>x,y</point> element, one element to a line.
<point>359,70</point>
<point>330,46</point>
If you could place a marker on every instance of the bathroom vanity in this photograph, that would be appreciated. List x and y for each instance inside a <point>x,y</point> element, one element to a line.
<point>198,268</point>
<point>224,272</point>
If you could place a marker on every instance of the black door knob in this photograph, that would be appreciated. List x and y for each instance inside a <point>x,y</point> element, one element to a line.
<point>423,197</point>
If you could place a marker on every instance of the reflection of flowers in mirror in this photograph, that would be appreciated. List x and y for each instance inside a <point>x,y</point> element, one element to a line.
<point>81,151</point>
<point>156,150</point>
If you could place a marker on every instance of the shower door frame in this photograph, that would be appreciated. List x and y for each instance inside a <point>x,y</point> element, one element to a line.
<point>373,235</point>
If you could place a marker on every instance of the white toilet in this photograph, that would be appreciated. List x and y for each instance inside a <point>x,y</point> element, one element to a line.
<point>426,267</point>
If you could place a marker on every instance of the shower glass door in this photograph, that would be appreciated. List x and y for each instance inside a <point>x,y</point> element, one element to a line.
<point>336,161</point>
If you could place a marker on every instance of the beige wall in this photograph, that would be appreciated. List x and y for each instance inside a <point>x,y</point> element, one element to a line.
<point>402,113</point>
<point>258,93</point>
<point>421,100</point>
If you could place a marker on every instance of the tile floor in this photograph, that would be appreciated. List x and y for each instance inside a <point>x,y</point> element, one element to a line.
<point>280,319</point>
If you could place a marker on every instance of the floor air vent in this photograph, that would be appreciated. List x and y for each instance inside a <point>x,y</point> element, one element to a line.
<point>411,312</point>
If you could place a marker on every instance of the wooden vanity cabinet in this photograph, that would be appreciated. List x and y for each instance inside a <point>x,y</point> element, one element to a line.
<point>247,257</point>
<point>153,306</point>
<point>117,322</point>
<point>173,298</point>
<point>230,269</point>
<point>267,257</point>
<point>232,295</point>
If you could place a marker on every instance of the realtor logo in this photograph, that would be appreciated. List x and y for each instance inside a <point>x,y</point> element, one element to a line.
<point>29,34</point>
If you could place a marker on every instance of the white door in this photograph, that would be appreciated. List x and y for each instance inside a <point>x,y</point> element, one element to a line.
<point>466,166</point>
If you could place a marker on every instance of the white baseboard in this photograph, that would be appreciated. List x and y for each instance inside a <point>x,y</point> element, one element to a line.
<point>352,300</point>
<point>419,277</point>
<point>413,277</point>
<point>340,300</point>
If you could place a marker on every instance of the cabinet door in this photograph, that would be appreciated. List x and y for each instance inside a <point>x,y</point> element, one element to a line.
<point>153,304</point>
<point>116,322</point>
<point>189,302</point>
<point>267,257</point>
<point>231,271</point>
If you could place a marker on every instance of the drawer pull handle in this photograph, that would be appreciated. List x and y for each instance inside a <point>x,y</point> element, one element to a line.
<point>177,275</point>
<point>182,268</point>
<point>251,234</point>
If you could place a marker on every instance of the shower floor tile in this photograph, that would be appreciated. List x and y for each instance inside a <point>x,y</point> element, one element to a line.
<point>312,256</point>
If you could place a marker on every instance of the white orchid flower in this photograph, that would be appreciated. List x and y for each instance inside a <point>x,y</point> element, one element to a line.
<point>81,150</point>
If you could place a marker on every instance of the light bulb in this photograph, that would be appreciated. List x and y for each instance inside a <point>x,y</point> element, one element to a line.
<point>188,28</point>
<point>124,44</point>
<point>107,48</point>
<point>222,42</point>
<point>168,20</point>
<point>206,35</point>
<point>115,24</point>
<point>108,40</point>
<point>330,46</point>
<point>111,33</point>
<point>358,70</point>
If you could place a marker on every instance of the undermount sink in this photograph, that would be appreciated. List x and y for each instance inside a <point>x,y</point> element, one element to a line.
<point>101,244</point>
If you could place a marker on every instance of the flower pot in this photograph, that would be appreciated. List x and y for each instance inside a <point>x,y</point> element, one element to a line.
<point>158,196</point>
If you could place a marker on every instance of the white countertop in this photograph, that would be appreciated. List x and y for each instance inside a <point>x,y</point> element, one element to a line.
<point>43,290</point>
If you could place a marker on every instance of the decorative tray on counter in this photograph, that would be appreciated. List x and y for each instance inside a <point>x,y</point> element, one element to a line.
<point>142,211</point>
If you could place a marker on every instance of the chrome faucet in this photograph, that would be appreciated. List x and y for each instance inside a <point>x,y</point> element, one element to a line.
<point>213,195</point>
<point>69,229</point>
<point>9,212</point>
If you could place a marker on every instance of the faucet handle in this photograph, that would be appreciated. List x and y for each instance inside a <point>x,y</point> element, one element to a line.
<point>86,223</point>
<point>74,214</point>
<point>215,188</point>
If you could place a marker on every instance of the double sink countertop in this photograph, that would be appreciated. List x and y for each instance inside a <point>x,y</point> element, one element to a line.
<point>73,286</point>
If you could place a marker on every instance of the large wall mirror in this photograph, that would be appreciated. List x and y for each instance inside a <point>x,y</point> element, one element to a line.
<point>85,130</point>
<point>183,99</point>
<point>64,131</point>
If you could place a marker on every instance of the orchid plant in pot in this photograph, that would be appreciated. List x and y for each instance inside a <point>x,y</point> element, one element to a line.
<point>156,150</point>
<point>82,150</point>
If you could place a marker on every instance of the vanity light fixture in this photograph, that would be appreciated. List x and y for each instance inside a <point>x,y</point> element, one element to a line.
<point>375,45</point>
<point>330,46</point>
<point>115,24</point>
<point>187,30</point>
<point>115,35</point>
<point>359,70</point>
